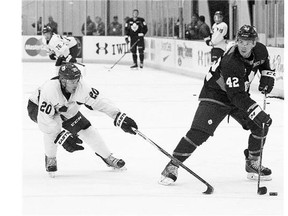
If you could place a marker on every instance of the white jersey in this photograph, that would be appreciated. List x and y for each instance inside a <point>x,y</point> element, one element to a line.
<point>218,32</point>
<point>52,102</point>
<point>59,45</point>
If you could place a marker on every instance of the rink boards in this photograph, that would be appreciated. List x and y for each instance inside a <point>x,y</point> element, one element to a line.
<point>191,58</point>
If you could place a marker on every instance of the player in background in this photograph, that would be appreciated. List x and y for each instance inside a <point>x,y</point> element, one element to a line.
<point>60,48</point>
<point>55,107</point>
<point>226,93</point>
<point>217,39</point>
<point>136,28</point>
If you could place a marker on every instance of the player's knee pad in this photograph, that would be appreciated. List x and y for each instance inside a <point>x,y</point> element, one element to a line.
<point>32,110</point>
<point>76,123</point>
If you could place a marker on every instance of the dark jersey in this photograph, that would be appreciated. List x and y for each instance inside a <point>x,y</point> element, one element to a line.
<point>229,79</point>
<point>134,27</point>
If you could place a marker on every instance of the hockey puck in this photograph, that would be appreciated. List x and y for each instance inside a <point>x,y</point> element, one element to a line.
<point>194,95</point>
<point>273,194</point>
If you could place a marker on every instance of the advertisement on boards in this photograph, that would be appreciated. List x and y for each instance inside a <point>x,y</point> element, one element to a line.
<point>107,48</point>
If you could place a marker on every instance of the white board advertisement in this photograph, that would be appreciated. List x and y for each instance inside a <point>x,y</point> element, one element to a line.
<point>33,49</point>
<point>105,48</point>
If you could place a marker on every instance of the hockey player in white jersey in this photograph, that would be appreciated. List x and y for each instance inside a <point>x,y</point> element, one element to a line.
<point>55,107</point>
<point>60,48</point>
<point>217,39</point>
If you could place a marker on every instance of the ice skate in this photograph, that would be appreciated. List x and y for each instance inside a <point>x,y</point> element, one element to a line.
<point>251,167</point>
<point>169,174</point>
<point>135,66</point>
<point>141,65</point>
<point>51,165</point>
<point>115,163</point>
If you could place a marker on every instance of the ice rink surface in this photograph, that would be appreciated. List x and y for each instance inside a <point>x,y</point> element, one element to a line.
<point>163,105</point>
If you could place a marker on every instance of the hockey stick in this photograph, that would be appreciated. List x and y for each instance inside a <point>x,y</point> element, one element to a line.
<point>123,55</point>
<point>209,189</point>
<point>64,62</point>
<point>80,64</point>
<point>262,190</point>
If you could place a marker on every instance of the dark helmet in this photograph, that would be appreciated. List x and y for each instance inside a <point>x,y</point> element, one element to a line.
<point>247,32</point>
<point>69,71</point>
<point>47,29</point>
<point>218,13</point>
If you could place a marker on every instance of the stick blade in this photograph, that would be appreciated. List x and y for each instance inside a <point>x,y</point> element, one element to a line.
<point>262,190</point>
<point>209,190</point>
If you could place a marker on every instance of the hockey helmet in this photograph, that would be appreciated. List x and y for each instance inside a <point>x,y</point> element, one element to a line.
<point>218,13</point>
<point>47,29</point>
<point>69,71</point>
<point>247,32</point>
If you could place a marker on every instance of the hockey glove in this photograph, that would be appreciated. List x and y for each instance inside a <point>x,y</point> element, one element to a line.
<point>52,56</point>
<point>267,81</point>
<point>258,116</point>
<point>208,42</point>
<point>126,123</point>
<point>69,141</point>
<point>126,40</point>
<point>60,60</point>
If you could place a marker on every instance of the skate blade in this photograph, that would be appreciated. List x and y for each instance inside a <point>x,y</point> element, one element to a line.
<point>51,174</point>
<point>122,169</point>
<point>254,176</point>
<point>165,181</point>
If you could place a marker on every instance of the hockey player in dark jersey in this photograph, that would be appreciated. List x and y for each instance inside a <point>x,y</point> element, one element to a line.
<point>136,28</point>
<point>226,92</point>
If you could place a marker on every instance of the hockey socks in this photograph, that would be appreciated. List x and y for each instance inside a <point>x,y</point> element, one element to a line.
<point>189,143</point>
<point>254,144</point>
<point>184,149</point>
<point>134,56</point>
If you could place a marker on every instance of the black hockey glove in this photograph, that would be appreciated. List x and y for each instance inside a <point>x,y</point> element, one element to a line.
<point>52,56</point>
<point>259,117</point>
<point>208,42</point>
<point>126,40</point>
<point>60,60</point>
<point>267,81</point>
<point>69,141</point>
<point>126,123</point>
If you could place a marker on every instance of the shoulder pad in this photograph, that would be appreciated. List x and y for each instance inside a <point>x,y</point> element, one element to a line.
<point>260,51</point>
